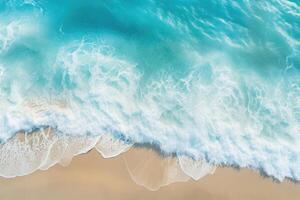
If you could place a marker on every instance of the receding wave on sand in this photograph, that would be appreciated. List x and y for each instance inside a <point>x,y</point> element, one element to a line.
<point>90,176</point>
<point>26,153</point>
<point>146,164</point>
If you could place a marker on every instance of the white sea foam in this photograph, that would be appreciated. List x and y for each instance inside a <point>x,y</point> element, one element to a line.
<point>195,116</point>
<point>12,30</point>
<point>23,155</point>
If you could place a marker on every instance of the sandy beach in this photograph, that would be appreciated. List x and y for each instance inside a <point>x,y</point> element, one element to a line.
<point>90,176</point>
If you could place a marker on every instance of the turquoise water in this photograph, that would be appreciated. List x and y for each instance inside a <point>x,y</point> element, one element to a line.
<point>217,79</point>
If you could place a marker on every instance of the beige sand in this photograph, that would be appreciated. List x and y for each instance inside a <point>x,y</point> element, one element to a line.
<point>91,177</point>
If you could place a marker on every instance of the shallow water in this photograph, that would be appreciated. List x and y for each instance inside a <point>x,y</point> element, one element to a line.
<point>212,80</point>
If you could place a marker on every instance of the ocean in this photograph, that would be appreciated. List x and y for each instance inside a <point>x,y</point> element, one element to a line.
<point>210,80</point>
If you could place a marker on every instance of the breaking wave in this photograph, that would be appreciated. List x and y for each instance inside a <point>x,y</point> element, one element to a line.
<point>211,82</point>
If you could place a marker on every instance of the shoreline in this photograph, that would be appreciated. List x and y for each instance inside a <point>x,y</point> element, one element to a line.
<point>92,177</point>
<point>107,146</point>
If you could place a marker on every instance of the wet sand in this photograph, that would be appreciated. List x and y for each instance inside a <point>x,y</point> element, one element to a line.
<point>89,176</point>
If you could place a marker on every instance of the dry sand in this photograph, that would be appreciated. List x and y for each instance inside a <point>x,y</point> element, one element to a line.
<point>91,177</point>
